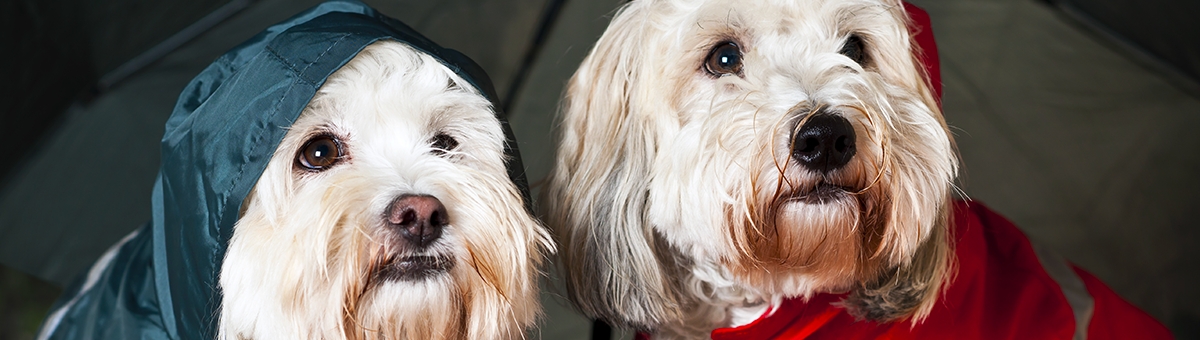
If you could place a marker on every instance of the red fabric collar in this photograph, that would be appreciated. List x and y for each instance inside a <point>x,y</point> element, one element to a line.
<point>1000,292</point>
<point>810,316</point>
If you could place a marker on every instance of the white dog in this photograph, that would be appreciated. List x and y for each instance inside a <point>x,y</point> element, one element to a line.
<point>386,212</point>
<point>355,187</point>
<point>719,156</point>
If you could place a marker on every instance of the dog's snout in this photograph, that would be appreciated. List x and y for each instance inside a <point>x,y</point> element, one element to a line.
<point>825,143</point>
<point>419,218</point>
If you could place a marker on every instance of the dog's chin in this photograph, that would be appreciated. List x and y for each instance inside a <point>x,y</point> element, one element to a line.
<point>413,268</point>
<point>823,193</point>
<point>806,241</point>
<point>818,208</point>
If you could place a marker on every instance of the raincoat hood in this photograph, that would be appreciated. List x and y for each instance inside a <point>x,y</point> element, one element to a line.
<point>163,282</point>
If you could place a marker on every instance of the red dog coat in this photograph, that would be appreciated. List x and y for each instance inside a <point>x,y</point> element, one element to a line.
<point>1004,289</point>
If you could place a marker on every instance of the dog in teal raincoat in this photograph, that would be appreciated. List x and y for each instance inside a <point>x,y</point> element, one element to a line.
<point>337,176</point>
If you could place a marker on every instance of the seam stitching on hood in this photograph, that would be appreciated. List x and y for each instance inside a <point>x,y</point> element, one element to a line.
<point>302,73</point>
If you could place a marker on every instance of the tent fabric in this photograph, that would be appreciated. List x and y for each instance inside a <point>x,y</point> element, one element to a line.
<point>1159,32</point>
<point>162,282</point>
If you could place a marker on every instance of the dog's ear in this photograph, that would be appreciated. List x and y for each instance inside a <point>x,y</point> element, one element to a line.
<point>596,199</point>
<point>909,289</point>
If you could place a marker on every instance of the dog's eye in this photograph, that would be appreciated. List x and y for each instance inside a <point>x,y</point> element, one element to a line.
<point>443,143</point>
<point>725,58</point>
<point>319,153</point>
<point>853,49</point>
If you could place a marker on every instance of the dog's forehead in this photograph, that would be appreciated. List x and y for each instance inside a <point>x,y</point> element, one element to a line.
<point>394,90</point>
<point>810,19</point>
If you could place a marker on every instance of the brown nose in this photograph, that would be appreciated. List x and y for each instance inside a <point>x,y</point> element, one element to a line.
<point>418,218</point>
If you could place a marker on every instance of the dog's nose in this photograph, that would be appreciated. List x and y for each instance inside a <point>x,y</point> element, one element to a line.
<point>825,143</point>
<point>419,218</point>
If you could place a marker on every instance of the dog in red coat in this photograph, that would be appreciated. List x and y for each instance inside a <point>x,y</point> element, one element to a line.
<point>782,169</point>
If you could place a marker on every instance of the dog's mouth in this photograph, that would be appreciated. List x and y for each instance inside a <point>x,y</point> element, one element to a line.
<point>822,193</point>
<point>413,268</point>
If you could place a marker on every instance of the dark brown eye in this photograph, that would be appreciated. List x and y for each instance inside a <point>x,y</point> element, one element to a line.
<point>725,58</point>
<point>319,153</point>
<point>854,48</point>
<point>443,143</point>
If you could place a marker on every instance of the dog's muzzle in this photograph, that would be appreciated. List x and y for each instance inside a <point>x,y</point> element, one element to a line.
<point>418,220</point>
<point>824,144</point>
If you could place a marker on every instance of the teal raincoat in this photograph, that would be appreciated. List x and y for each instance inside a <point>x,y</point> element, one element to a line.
<point>161,283</point>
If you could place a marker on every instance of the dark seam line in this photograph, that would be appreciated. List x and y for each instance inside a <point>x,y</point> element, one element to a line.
<point>549,18</point>
<point>275,56</point>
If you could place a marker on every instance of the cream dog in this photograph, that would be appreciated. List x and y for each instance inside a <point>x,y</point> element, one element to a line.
<point>720,156</point>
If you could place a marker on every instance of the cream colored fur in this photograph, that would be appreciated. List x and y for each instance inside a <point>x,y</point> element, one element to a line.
<point>674,198</point>
<point>300,263</point>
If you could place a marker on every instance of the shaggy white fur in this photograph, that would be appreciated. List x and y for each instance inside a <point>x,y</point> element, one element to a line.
<point>677,195</point>
<point>316,253</point>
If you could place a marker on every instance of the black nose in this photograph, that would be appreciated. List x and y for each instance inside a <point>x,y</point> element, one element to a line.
<point>825,143</point>
<point>419,218</point>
